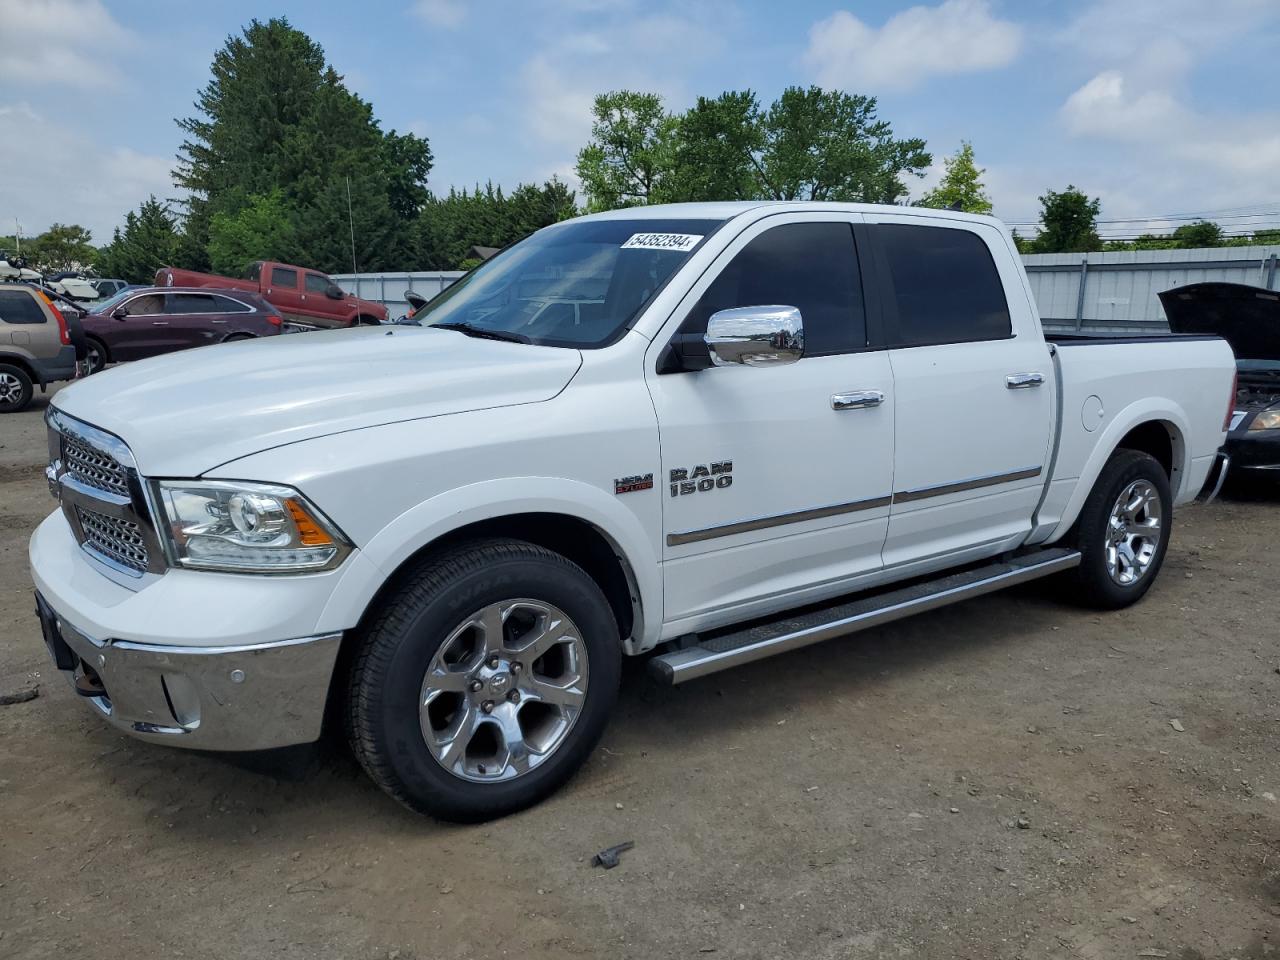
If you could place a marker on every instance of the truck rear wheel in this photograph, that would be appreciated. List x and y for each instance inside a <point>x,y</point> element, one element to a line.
<point>484,681</point>
<point>1123,531</point>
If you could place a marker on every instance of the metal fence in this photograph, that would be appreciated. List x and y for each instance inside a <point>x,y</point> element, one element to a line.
<point>1097,292</point>
<point>389,289</point>
<point>1117,292</point>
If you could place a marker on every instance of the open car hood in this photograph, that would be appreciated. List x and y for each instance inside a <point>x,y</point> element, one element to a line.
<point>1248,318</point>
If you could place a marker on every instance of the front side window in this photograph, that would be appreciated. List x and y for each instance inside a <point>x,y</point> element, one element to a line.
<point>280,277</point>
<point>577,284</point>
<point>146,305</point>
<point>810,266</point>
<point>18,306</point>
<point>316,282</point>
<point>945,285</point>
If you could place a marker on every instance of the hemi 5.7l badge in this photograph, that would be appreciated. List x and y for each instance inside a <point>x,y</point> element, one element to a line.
<point>632,484</point>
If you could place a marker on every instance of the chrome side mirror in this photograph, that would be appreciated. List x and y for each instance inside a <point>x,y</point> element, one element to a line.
<point>755,336</point>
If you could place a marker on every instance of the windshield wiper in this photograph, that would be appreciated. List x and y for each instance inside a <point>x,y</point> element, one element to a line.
<point>484,333</point>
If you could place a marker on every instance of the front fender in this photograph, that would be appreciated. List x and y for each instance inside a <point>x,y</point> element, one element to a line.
<point>446,512</point>
<point>1146,410</point>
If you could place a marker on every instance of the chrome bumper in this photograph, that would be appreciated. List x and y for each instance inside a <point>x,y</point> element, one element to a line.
<point>206,698</point>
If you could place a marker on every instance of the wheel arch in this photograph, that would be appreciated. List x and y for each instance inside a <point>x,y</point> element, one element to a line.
<point>574,519</point>
<point>24,364</point>
<point>1154,428</point>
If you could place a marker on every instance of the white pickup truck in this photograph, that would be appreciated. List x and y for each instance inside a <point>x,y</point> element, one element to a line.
<point>712,432</point>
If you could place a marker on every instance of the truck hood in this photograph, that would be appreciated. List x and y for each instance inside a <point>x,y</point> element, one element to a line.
<point>1248,318</point>
<point>186,413</point>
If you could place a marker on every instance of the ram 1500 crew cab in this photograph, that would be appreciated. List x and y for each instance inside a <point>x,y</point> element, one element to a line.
<point>714,431</point>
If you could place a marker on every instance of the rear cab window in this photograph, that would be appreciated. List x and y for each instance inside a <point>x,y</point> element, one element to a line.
<point>941,286</point>
<point>20,306</point>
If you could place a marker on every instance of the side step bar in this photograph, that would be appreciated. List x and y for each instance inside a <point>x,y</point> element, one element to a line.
<point>712,654</point>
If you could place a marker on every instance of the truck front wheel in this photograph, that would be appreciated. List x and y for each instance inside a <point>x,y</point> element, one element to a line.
<point>484,681</point>
<point>1123,531</point>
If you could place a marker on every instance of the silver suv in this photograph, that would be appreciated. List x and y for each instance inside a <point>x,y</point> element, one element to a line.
<point>35,345</point>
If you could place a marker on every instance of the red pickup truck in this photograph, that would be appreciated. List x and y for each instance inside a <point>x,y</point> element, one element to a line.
<point>305,297</point>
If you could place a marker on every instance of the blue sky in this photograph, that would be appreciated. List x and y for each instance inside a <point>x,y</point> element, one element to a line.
<point>1156,106</point>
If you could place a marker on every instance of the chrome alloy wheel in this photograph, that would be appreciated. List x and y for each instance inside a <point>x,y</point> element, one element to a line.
<point>1133,532</point>
<point>10,388</point>
<point>504,690</point>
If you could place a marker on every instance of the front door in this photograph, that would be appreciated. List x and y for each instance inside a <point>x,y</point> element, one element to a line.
<point>141,330</point>
<point>775,483</point>
<point>974,389</point>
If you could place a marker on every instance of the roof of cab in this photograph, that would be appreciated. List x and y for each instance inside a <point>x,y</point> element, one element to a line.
<point>726,210</point>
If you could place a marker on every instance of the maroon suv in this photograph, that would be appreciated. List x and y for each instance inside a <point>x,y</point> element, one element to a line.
<point>146,321</point>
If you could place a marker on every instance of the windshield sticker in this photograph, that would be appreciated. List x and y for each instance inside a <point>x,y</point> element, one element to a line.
<point>680,242</point>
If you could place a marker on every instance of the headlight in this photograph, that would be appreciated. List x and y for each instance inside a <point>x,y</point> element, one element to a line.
<point>247,528</point>
<point>1266,420</point>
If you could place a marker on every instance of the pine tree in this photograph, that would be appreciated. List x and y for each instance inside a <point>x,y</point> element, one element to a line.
<point>961,185</point>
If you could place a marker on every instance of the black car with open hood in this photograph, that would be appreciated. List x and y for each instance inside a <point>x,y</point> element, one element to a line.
<point>1248,318</point>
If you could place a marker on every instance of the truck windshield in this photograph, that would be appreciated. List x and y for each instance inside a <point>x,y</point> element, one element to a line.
<point>572,285</point>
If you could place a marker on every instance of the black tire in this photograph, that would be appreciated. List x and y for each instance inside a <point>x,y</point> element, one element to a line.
<point>399,643</point>
<point>1094,586</point>
<point>99,356</point>
<point>15,388</point>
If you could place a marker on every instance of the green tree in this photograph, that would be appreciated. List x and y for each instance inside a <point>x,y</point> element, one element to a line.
<point>146,244</point>
<point>61,247</point>
<point>1068,223</point>
<point>828,145</point>
<point>629,152</point>
<point>961,185</point>
<point>450,226</point>
<point>811,144</point>
<point>275,117</point>
<point>1202,233</point>
<point>261,230</point>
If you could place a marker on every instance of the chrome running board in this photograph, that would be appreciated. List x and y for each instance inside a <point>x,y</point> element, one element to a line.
<point>713,654</point>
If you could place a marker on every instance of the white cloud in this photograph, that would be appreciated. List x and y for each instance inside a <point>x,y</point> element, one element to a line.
<point>73,179</point>
<point>1137,104</point>
<point>441,13</point>
<point>957,36</point>
<point>58,42</point>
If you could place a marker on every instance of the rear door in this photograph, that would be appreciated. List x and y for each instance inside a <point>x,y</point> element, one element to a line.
<point>972,378</point>
<point>196,319</point>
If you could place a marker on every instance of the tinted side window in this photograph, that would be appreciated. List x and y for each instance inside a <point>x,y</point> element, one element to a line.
<point>945,285</point>
<point>280,277</point>
<point>191,303</point>
<point>18,306</point>
<point>810,266</point>
<point>227,305</point>
<point>253,270</point>
<point>316,282</point>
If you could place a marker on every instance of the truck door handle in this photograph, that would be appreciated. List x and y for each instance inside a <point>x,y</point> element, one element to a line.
<point>857,400</point>
<point>1021,381</point>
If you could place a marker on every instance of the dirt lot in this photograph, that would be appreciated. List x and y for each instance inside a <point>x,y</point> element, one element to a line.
<point>1002,779</point>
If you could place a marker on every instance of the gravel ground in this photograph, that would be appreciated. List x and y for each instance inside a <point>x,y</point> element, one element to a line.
<point>1001,779</point>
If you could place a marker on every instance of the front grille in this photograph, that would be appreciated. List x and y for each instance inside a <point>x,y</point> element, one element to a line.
<point>118,540</point>
<point>93,467</point>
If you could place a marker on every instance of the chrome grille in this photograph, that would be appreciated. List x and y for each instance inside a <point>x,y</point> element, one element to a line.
<point>93,467</point>
<point>94,476</point>
<point>118,540</point>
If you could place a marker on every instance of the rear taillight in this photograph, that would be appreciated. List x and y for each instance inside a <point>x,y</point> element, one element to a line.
<point>1231,402</point>
<point>63,333</point>
<point>275,319</point>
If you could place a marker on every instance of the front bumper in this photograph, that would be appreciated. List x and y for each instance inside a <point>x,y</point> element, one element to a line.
<point>1259,450</point>
<point>245,697</point>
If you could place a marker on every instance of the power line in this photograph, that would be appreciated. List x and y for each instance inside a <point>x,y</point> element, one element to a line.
<point>1226,213</point>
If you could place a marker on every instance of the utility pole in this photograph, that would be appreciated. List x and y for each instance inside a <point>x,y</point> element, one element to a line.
<point>351,220</point>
